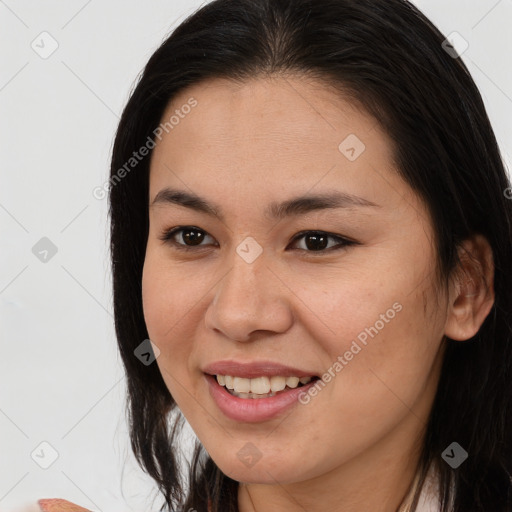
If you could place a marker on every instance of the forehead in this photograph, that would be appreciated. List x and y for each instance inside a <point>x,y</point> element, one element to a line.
<point>290,108</point>
<point>265,135</point>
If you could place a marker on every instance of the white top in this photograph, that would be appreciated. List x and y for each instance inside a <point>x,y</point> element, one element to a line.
<point>429,500</point>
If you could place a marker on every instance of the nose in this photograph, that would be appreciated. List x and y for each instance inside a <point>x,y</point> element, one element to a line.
<point>251,297</point>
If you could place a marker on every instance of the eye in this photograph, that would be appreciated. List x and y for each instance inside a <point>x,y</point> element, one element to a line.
<point>318,241</point>
<point>315,241</point>
<point>190,234</point>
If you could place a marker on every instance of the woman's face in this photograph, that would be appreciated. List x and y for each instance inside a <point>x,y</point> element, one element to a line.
<point>260,285</point>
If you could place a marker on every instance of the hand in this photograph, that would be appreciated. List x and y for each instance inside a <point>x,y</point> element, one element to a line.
<point>57,505</point>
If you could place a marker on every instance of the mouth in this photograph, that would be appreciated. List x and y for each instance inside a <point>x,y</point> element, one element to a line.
<point>247,399</point>
<point>261,387</point>
<point>256,391</point>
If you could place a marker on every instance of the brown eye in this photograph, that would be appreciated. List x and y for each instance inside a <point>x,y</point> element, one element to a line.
<point>190,237</point>
<point>318,241</point>
<point>315,241</point>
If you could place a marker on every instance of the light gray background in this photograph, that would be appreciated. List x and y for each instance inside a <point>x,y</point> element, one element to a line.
<point>61,378</point>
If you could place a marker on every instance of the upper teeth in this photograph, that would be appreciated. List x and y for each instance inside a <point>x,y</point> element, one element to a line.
<point>260,385</point>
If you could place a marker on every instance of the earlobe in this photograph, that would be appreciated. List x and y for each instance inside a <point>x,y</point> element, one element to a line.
<point>471,289</point>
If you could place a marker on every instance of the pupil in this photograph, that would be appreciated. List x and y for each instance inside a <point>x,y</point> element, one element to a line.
<point>192,236</point>
<point>316,239</point>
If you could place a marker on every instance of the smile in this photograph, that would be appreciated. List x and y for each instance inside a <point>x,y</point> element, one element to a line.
<point>260,387</point>
<point>242,406</point>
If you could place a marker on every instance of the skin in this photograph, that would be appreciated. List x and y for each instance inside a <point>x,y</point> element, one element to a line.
<point>355,445</point>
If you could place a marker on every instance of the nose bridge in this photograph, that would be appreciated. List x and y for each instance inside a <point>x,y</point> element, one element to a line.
<point>245,280</point>
<point>244,286</point>
<point>248,273</point>
<point>247,298</point>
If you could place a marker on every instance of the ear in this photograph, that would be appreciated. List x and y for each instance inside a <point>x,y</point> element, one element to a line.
<point>471,294</point>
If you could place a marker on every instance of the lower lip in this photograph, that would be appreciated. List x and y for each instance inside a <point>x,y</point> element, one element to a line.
<point>253,409</point>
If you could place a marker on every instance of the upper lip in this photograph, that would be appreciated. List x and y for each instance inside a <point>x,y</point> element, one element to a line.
<point>254,369</point>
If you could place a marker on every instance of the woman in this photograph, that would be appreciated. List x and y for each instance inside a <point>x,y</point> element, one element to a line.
<point>310,222</point>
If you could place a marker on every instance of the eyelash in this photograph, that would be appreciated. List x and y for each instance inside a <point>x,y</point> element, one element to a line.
<point>168,234</point>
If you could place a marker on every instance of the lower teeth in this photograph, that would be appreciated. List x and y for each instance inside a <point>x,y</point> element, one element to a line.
<point>254,395</point>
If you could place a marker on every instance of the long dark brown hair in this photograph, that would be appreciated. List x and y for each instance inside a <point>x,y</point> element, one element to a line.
<point>390,59</point>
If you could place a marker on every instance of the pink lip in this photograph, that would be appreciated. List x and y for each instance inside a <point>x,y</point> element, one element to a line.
<point>255,369</point>
<point>253,409</point>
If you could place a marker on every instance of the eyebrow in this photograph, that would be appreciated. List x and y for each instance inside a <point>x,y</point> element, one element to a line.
<point>295,206</point>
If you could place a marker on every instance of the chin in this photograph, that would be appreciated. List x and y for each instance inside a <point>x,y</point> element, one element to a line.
<point>262,472</point>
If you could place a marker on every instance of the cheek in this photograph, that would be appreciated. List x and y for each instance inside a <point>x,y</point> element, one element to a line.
<point>381,332</point>
<point>163,309</point>
<point>387,372</point>
<point>153,302</point>
<point>161,313</point>
<point>171,306</point>
<point>164,294</point>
